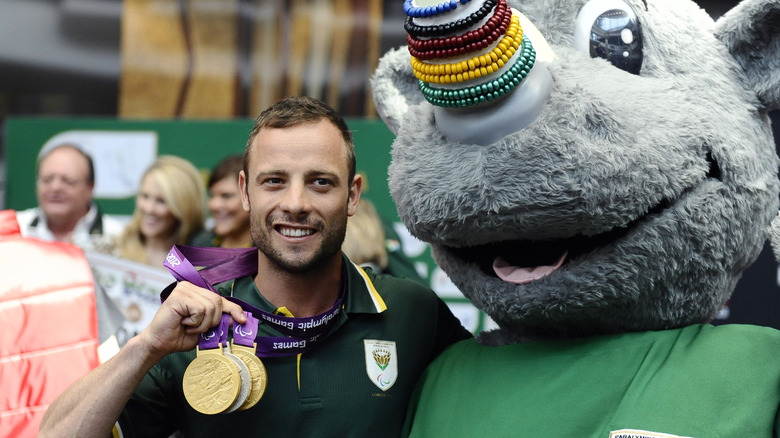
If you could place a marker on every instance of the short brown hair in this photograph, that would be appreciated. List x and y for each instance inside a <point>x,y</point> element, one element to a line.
<point>294,111</point>
<point>228,166</point>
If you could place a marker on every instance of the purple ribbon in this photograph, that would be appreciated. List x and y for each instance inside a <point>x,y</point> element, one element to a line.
<point>221,264</point>
<point>215,336</point>
<point>244,334</point>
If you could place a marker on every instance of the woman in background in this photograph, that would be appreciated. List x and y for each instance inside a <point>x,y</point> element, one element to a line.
<point>169,210</point>
<point>231,222</point>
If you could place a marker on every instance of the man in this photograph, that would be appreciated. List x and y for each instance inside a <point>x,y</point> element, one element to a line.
<point>299,186</point>
<point>66,211</point>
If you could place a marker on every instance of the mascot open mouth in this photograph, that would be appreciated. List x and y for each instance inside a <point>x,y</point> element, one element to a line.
<point>525,261</point>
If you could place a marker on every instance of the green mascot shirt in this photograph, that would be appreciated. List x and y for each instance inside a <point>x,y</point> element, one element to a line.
<point>699,381</point>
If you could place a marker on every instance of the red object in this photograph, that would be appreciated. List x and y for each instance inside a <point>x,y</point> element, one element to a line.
<point>473,40</point>
<point>48,325</point>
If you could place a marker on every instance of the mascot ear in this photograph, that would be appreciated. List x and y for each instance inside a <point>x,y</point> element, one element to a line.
<point>394,87</point>
<point>750,32</point>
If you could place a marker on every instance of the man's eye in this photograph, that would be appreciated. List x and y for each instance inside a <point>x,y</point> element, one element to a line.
<point>322,182</point>
<point>49,179</point>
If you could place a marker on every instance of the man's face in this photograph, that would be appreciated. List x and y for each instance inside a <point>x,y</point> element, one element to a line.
<point>298,196</point>
<point>64,194</point>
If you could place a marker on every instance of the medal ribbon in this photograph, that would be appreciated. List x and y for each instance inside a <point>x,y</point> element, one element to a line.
<point>215,336</point>
<point>223,264</point>
<point>244,334</point>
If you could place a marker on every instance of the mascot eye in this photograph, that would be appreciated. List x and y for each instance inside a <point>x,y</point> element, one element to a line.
<point>609,29</point>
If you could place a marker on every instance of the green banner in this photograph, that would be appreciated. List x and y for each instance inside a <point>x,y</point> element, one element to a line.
<point>202,142</point>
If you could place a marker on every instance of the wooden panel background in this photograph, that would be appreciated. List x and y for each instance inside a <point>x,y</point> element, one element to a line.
<point>233,58</point>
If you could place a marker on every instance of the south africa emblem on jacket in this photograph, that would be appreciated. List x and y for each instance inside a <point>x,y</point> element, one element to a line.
<point>381,362</point>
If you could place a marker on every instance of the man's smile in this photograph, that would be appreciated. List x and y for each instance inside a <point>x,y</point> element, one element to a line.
<point>294,232</point>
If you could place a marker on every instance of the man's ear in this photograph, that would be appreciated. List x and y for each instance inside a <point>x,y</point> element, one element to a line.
<point>355,190</point>
<point>242,187</point>
<point>751,32</point>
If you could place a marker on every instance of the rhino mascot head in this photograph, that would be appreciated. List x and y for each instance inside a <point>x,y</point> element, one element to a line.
<point>619,178</point>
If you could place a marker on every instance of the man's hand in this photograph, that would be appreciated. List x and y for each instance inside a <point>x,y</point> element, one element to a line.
<point>90,406</point>
<point>187,312</point>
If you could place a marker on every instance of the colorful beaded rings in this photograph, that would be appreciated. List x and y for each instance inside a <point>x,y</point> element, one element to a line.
<point>475,67</point>
<point>471,41</point>
<point>485,92</point>
<point>429,11</point>
<point>479,70</point>
<point>456,26</point>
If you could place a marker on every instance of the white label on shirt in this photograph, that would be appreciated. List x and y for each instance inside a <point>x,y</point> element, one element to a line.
<point>633,433</point>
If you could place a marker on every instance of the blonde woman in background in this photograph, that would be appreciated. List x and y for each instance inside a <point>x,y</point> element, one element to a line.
<point>364,242</point>
<point>169,210</point>
<point>370,241</point>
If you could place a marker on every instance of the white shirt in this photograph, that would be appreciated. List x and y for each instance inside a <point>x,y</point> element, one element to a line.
<point>33,224</point>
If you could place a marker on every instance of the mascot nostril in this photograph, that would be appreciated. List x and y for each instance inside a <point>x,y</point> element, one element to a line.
<point>601,219</point>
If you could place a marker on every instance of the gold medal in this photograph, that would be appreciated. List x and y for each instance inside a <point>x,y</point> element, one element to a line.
<point>256,372</point>
<point>211,382</point>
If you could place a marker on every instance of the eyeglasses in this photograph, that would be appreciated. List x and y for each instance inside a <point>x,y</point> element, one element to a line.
<point>47,180</point>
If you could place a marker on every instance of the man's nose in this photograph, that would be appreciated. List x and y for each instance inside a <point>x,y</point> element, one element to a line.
<point>296,200</point>
<point>57,184</point>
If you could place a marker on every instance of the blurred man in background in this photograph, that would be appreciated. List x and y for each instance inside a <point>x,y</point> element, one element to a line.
<point>66,212</point>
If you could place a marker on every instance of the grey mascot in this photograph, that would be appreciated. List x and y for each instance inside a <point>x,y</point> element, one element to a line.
<point>595,176</point>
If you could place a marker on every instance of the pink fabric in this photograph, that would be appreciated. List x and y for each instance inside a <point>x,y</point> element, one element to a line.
<point>49,334</point>
<point>9,226</point>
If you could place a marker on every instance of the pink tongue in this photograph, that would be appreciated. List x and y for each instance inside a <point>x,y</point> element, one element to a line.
<point>518,275</point>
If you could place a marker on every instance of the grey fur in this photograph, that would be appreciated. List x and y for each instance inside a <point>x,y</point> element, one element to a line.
<point>751,32</point>
<point>674,170</point>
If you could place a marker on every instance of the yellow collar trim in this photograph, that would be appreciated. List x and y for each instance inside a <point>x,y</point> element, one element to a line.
<point>379,303</point>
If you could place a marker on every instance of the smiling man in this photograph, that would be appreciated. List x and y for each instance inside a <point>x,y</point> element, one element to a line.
<point>342,347</point>
<point>66,211</point>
